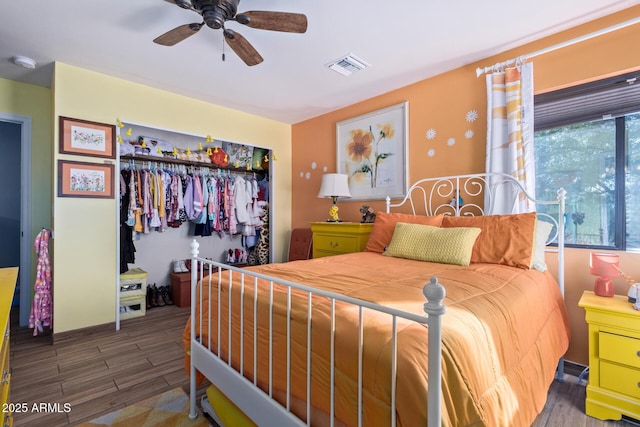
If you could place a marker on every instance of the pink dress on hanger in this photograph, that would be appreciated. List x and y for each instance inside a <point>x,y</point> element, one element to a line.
<point>42,309</point>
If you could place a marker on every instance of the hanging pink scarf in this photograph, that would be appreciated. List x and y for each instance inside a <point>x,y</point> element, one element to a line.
<point>42,311</point>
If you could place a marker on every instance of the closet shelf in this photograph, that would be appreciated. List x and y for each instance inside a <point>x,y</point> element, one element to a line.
<point>157,159</point>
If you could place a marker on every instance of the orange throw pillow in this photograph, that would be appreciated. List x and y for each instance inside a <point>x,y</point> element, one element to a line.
<point>504,239</point>
<point>385,224</point>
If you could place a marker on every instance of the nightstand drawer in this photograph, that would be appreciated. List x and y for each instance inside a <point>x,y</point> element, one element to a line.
<point>339,238</point>
<point>620,349</point>
<point>620,379</point>
<point>338,244</point>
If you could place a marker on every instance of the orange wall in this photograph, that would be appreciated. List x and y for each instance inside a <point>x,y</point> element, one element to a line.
<point>441,103</point>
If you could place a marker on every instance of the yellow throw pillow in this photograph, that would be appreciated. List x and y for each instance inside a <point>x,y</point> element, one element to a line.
<point>433,244</point>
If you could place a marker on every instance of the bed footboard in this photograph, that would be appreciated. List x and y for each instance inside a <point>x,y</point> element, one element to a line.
<point>215,354</point>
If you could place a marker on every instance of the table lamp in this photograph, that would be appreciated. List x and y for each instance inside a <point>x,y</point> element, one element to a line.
<point>605,266</point>
<point>334,185</point>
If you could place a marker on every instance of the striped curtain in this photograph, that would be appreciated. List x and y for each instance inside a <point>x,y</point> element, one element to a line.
<point>510,137</point>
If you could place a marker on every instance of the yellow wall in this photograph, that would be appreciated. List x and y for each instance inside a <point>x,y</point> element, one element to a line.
<point>85,261</point>
<point>441,103</point>
<point>35,102</point>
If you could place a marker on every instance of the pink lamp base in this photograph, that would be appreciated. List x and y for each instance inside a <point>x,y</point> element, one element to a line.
<point>603,287</point>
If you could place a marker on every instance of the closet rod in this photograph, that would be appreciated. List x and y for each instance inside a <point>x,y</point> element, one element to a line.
<point>155,159</point>
<point>480,71</point>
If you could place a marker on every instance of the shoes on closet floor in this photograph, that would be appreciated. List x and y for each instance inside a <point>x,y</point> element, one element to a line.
<point>151,300</point>
<point>165,295</point>
<point>157,296</point>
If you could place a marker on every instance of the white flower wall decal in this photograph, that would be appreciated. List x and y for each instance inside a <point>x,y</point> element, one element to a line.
<point>314,166</point>
<point>431,133</point>
<point>470,117</point>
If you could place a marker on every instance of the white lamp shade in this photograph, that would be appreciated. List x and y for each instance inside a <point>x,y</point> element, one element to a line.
<point>334,185</point>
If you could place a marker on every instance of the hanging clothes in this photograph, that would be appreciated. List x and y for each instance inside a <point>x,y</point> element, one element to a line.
<point>242,200</point>
<point>157,197</point>
<point>230,208</point>
<point>127,221</point>
<point>42,310</point>
<point>203,223</point>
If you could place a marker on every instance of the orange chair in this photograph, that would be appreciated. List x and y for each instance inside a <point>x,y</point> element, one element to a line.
<point>300,244</point>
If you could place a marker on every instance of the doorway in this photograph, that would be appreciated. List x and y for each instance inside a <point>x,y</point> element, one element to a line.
<point>15,213</point>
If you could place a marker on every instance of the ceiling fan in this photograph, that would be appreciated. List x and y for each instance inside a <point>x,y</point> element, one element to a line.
<point>216,12</point>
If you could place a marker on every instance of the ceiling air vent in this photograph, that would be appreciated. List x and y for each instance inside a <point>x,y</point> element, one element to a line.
<point>348,65</point>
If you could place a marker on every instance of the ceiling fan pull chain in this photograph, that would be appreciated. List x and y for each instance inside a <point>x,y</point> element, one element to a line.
<point>223,43</point>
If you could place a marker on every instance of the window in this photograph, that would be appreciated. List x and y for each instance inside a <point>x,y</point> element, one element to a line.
<point>587,140</point>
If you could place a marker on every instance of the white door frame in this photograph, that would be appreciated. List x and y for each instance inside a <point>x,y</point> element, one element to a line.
<point>25,212</point>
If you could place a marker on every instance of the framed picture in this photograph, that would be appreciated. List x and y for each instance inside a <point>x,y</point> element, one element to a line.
<point>80,179</point>
<point>372,151</point>
<point>87,138</point>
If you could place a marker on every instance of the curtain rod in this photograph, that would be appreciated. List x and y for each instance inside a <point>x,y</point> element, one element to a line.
<point>480,71</point>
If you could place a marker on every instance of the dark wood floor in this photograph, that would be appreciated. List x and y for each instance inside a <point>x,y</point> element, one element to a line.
<point>565,407</point>
<point>99,370</point>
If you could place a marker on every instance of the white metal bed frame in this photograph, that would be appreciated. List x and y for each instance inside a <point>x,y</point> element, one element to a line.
<point>261,406</point>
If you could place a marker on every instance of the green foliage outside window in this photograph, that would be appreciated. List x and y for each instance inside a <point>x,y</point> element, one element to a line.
<point>582,159</point>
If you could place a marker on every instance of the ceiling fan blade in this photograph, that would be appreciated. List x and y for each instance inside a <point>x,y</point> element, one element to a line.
<point>242,48</point>
<point>178,34</point>
<point>274,21</point>
<point>185,4</point>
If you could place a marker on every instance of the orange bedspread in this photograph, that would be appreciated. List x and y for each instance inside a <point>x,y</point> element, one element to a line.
<point>504,330</point>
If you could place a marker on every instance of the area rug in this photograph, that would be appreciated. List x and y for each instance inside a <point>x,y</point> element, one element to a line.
<point>169,409</point>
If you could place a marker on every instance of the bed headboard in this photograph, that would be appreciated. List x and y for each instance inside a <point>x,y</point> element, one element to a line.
<point>476,194</point>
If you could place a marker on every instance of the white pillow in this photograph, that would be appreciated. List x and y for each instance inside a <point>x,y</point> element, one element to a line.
<point>543,229</point>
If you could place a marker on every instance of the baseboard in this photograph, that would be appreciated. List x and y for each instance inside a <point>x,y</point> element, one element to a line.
<point>573,368</point>
<point>110,327</point>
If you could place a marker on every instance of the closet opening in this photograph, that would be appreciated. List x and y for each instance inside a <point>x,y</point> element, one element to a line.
<point>175,188</point>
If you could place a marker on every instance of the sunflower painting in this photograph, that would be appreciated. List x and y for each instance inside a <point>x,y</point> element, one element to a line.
<point>371,151</point>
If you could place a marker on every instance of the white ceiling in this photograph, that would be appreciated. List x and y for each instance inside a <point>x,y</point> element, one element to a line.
<point>404,41</point>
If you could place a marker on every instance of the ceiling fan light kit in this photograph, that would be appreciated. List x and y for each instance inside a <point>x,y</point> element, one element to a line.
<point>215,13</point>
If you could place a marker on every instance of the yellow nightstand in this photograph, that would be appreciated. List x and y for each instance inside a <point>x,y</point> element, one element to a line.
<point>614,357</point>
<point>335,238</point>
<point>8,278</point>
